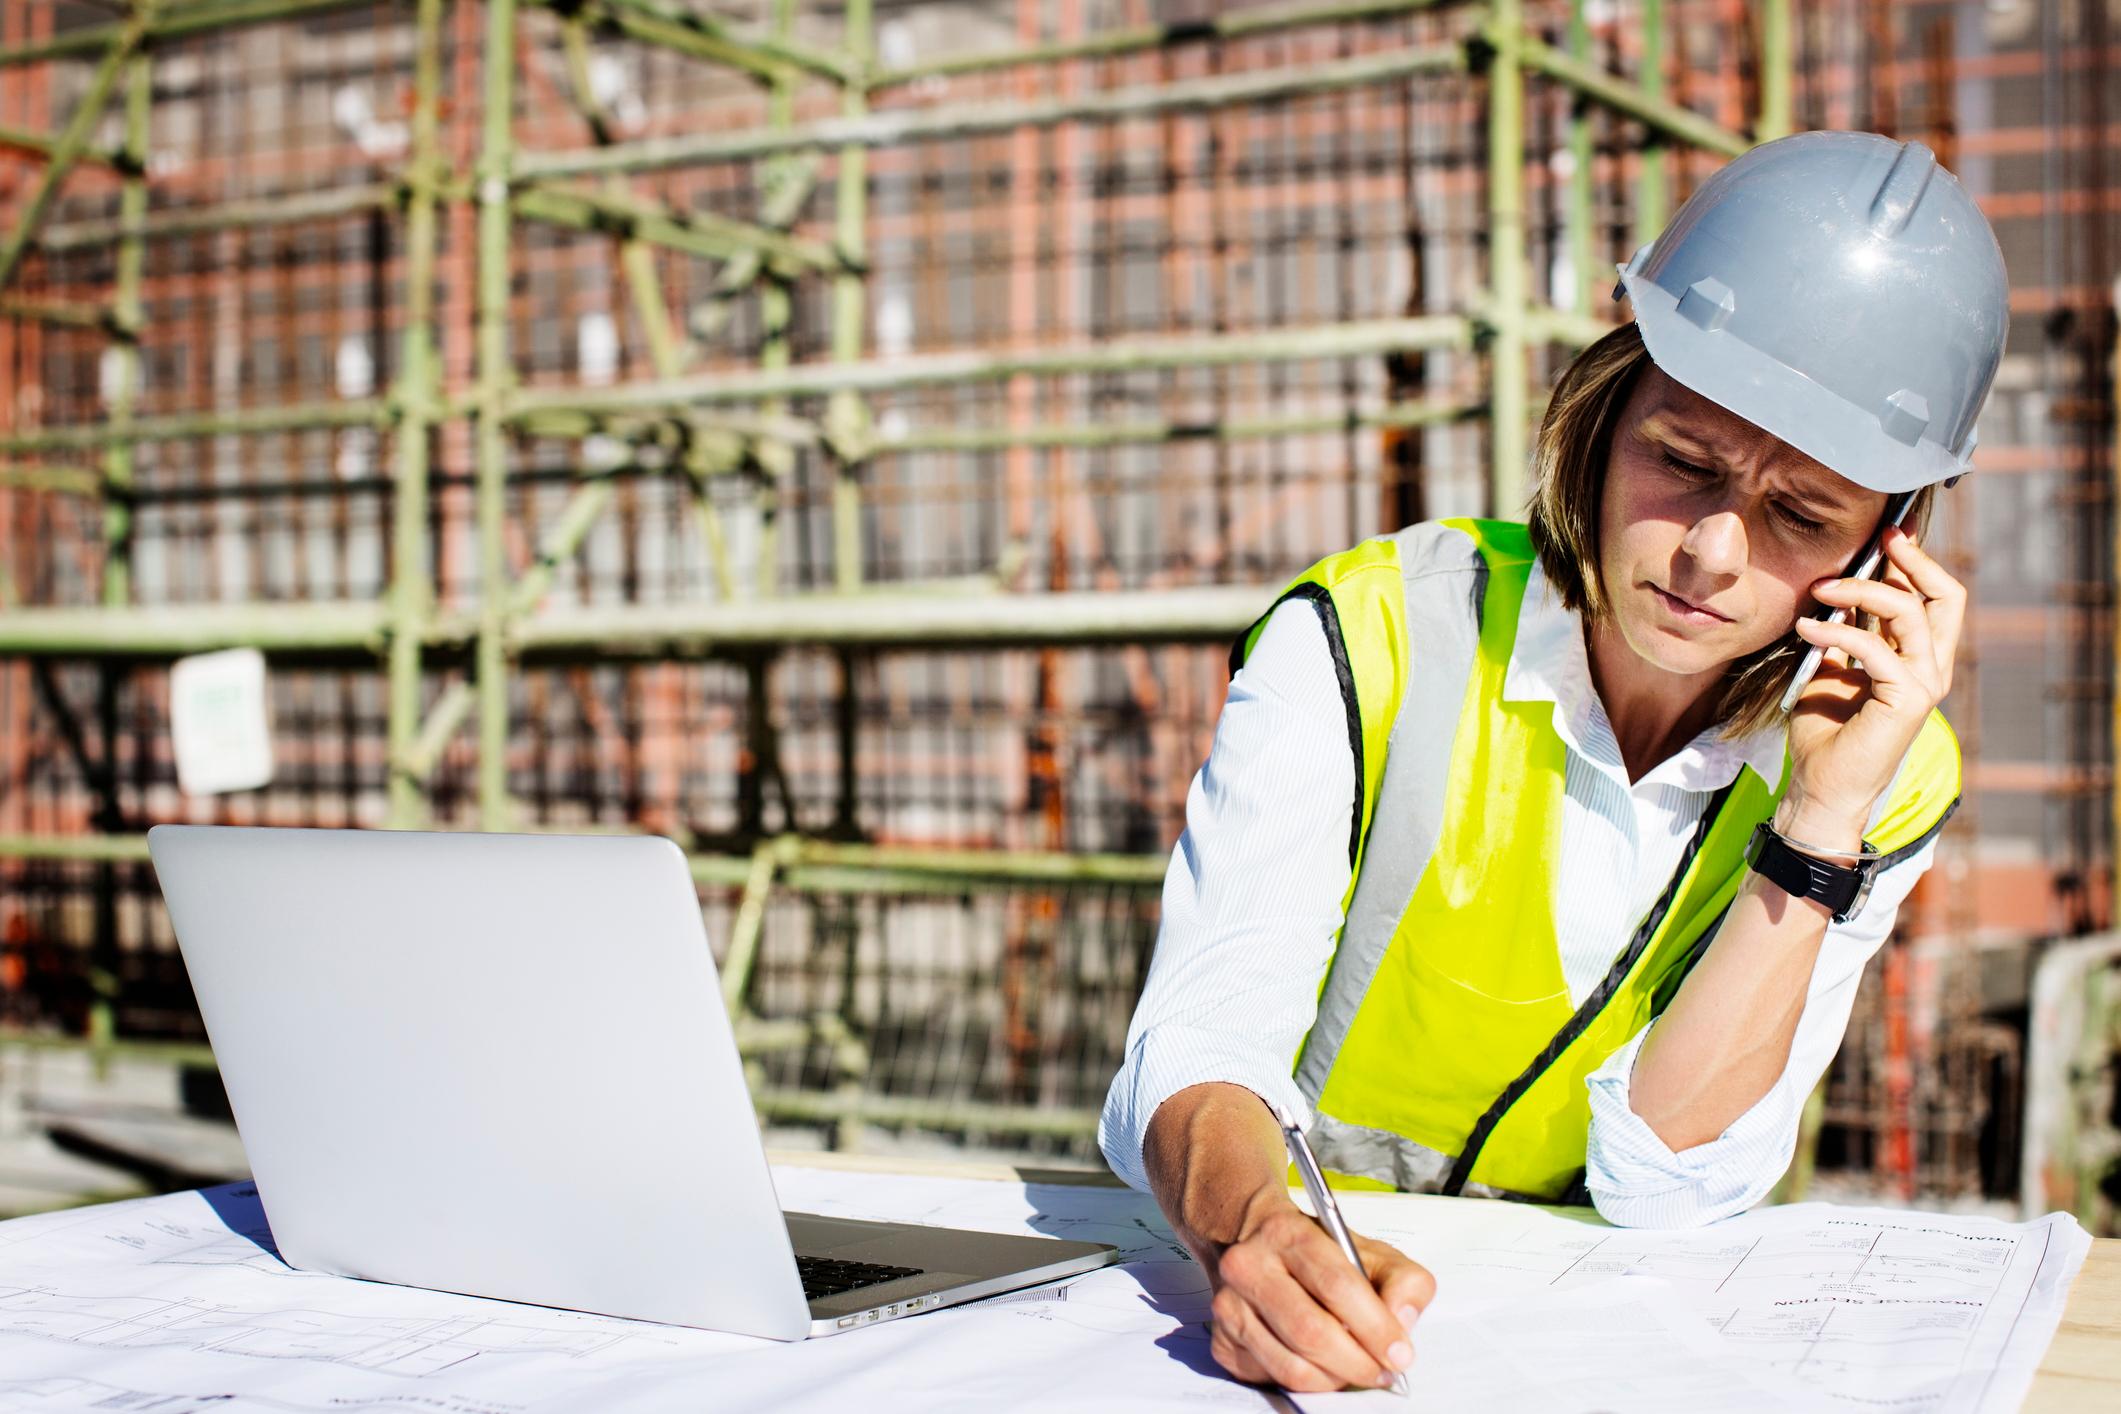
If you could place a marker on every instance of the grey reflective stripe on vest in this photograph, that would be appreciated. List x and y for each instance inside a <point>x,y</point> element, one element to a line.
<point>1389,1158</point>
<point>1440,568</point>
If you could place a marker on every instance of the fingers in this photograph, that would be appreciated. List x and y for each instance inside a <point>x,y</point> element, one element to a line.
<point>1946,594</point>
<point>1919,603</point>
<point>1889,672</point>
<point>1314,1323</point>
<point>1242,1344</point>
<point>1902,613</point>
<point>1403,1285</point>
<point>1897,577</point>
<point>1352,1306</point>
<point>1291,1308</point>
<point>1930,579</point>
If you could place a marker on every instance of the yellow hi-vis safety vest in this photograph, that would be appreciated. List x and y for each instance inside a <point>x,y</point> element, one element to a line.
<point>1446,1056</point>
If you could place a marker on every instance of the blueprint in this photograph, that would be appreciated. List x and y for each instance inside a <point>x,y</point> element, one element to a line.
<point>179,1303</point>
<point>1618,1344</point>
<point>1868,1308</point>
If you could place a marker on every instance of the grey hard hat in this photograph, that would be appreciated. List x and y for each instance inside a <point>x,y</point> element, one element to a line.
<point>1839,290</point>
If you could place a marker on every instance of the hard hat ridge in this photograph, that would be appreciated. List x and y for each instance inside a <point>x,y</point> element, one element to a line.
<point>1839,290</point>
<point>1905,182</point>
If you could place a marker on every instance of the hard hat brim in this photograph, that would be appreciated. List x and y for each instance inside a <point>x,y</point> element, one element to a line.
<point>1783,402</point>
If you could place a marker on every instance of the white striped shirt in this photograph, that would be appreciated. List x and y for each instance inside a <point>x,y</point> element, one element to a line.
<point>1251,905</point>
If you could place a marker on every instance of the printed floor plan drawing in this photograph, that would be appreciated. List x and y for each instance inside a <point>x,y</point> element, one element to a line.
<point>181,1305</point>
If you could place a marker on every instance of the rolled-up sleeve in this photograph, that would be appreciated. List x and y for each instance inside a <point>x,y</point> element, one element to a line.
<point>1636,1181</point>
<point>1251,901</point>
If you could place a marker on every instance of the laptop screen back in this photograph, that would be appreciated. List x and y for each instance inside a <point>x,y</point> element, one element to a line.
<point>493,1064</point>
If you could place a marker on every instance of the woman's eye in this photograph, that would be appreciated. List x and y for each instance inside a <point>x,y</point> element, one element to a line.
<point>1803,525</point>
<point>1797,521</point>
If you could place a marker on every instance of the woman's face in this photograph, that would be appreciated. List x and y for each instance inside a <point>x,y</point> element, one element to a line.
<point>1712,532</point>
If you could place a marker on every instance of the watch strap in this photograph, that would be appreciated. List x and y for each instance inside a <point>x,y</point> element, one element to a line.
<point>1842,888</point>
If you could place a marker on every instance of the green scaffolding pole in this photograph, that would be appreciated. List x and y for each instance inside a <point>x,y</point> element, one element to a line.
<point>769,58</point>
<point>698,233</point>
<point>1349,340</point>
<point>1242,24</point>
<point>1119,434</point>
<point>173,22</point>
<point>776,352</point>
<point>119,458</point>
<point>117,534</point>
<point>569,529</point>
<point>495,166</point>
<point>292,417</point>
<point>71,143</point>
<point>849,867</point>
<point>1777,78</point>
<point>848,415</point>
<point>60,312</point>
<point>418,390</point>
<point>66,480</point>
<point>2114,470</point>
<point>1583,216</point>
<point>1665,119</point>
<point>161,631</point>
<point>43,144</point>
<point>1653,189</point>
<point>908,125</point>
<point>1508,366</point>
<point>229,215</point>
<point>958,613</point>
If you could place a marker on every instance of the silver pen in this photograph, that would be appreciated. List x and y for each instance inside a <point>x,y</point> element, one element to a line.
<point>1322,1202</point>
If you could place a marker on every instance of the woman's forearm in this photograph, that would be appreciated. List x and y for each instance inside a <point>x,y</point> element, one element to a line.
<point>1725,1039</point>
<point>1213,1153</point>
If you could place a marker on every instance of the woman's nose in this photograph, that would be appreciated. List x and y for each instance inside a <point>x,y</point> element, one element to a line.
<point>1717,542</point>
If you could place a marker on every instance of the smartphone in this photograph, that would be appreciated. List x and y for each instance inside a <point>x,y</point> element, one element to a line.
<point>1868,564</point>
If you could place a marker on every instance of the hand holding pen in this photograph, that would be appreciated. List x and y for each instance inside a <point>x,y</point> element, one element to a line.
<point>1290,1307</point>
<point>1326,1209</point>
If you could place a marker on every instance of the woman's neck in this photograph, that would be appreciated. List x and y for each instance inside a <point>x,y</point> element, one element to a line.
<point>1653,713</point>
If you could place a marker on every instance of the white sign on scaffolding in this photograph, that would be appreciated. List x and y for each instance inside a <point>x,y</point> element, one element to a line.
<point>217,721</point>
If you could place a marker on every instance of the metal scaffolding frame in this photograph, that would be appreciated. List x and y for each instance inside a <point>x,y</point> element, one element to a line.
<point>704,426</point>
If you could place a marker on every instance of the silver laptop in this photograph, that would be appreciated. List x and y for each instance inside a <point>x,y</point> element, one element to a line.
<point>500,1065</point>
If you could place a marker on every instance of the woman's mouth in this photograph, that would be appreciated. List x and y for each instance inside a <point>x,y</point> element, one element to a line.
<point>1686,611</point>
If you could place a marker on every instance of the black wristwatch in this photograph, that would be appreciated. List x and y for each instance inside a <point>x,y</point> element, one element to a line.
<point>1841,887</point>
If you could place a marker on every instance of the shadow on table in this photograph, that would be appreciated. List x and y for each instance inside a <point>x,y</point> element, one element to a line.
<point>1171,1283</point>
<point>237,1205</point>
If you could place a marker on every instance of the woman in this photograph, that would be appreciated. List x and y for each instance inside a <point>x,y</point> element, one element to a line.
<point>1506,867</point>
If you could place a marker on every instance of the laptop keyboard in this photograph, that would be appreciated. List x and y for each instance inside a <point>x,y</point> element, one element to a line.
<point>824,1276</point>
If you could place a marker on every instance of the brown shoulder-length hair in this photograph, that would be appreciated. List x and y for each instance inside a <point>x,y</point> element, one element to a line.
<point>1569,461</point>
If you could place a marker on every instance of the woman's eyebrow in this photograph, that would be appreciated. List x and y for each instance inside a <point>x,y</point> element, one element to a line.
<point>1818,499</point>
<point>1659,428</point>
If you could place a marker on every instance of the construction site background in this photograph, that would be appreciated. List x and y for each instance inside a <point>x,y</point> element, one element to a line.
<point>846,437</point>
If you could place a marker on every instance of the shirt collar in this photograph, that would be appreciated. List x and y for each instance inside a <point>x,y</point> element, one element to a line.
<point>1550,664</point>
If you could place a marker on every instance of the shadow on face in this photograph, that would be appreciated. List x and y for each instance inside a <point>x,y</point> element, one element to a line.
<point>1713,531</point>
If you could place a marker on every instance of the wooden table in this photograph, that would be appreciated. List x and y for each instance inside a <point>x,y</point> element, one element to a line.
<point>2081,1374</point>
<point>2082,1371</point>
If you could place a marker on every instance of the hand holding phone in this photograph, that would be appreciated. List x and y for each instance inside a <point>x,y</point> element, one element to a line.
<point>1867,565</point>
